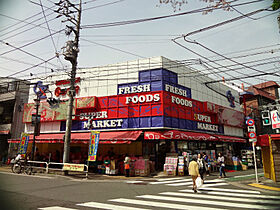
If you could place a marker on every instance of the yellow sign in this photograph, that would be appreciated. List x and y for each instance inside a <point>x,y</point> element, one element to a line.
<point>73,167</point>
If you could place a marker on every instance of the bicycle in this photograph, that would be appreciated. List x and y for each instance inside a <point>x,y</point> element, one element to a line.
<point>21,166</point>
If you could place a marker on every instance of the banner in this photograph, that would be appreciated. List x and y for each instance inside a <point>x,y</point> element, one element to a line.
<point>93,145</point>
<point>73,167</point>
<point>23,143</point>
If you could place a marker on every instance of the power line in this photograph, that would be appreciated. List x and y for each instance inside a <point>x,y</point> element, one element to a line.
<point>111,3</point>
<point>21,50</point>
<point>120,23</point>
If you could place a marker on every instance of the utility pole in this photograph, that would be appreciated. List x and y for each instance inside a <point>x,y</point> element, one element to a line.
<point>71,54</point>
<point>36,122</point>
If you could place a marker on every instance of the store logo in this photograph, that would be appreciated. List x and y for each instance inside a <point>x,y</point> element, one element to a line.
<point>63,91</point>
<point>230,99</point>
<point>40,90</point>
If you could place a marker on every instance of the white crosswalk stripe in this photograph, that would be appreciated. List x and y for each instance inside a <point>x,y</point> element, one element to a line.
<point>170,181</point>
<point>207,198</point>
<point>108,206</point>
<point>56,208</point>
<point>204,201</point>
<point>244,199</point>
<point>207,182</point>
<point>204,191</point>
<point>230,190</point>
<point>161,204</point>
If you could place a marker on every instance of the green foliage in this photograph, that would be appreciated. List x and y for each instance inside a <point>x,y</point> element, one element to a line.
<point>276,4</point>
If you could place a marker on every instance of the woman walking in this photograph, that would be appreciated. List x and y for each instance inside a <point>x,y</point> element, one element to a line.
<point>221,162</point>
<point>193,171</point>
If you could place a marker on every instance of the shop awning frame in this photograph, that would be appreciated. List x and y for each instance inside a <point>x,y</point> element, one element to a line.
<point>117,137</point>
<point>186,135</point>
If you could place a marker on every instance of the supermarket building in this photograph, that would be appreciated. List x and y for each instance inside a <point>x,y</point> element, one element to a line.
<point>148,107</point>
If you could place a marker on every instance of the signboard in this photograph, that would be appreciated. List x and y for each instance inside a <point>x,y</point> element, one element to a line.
<point>250,122</point>
<point>252,135</point>
<point>73,167</point>
<point>275,119</point>
<point>93,145</point>
<point>23,143</point>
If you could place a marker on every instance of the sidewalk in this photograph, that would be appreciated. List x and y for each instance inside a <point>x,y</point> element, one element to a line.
<point>247,179</point>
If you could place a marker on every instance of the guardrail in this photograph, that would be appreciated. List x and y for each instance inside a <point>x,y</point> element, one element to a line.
<point>47,166</point>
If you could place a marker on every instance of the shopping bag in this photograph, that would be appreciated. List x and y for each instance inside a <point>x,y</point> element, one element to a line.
<point>198,182</point>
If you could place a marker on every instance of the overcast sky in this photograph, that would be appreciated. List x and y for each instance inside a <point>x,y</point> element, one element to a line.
<point>102,46</point>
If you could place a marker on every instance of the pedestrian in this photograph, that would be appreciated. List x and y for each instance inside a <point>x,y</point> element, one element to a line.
<point>193,171</point>
<point>126,165</point>
<point>221,162</point>
<point>201,166</point>
<point>207,163</point>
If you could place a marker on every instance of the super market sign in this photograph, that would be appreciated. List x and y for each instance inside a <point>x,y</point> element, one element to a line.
<point>156,100</point>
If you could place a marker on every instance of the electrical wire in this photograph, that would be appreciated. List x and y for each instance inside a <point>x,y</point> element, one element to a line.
<point>120,23</point>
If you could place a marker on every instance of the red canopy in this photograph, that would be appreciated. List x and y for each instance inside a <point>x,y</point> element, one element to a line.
<point>231,139</point>
<point>118,137</point>
<point>180,135</point>
<point>184,135</point>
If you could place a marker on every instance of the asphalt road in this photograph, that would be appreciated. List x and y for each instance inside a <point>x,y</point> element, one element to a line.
<point>46,192</point>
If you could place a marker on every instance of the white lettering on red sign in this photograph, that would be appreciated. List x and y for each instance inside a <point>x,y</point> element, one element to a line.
<point>181,101</point>
<point>202,118</point>
<point>175,90</point>
<point>142,98</point>
<point>103,123</point>
<point>92,115</point>
<point>208,127</point>
<point>135,89</point>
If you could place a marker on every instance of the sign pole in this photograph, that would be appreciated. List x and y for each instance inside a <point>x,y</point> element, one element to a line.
<point>255,162</point>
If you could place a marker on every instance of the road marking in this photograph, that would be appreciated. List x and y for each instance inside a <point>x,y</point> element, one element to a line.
<point>108,206</point>
<point>25,175</point>
<point>234,195</point>
<point>213,185</point>
<point>204,201</point>
<point>257,201</point>
<point>208,182</point>
<point>133,182</point>
<point>168,179</point>
<point>161,204</point>
<point>181,184</point>
<point>265,187</point>
<point>245,175</point>
<point>56,208</point>
<point>168,182</point>
<point>229,190</point>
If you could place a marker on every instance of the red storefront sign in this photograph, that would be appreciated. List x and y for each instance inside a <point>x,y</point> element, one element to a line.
<point>178,135</point>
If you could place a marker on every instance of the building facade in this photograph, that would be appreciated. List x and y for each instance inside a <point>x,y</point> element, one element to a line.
<point>149,107</point>
<point>13,96</point>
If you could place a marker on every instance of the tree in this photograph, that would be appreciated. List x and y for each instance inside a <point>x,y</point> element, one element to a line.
<point>177,4</point>
<point>276,4</point>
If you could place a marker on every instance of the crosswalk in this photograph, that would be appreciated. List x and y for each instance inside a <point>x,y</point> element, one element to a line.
<point>177,182</point>
<point>207,198</point>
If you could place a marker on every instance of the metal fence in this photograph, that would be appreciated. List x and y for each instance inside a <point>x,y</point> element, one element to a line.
<point>53,166</point>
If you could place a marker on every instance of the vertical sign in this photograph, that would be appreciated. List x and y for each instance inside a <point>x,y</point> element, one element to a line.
<point>93,145</point>
<point>23,143</point>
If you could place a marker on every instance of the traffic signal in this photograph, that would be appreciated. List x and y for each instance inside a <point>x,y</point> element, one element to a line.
<point>54,103</point>
<point>266,118</point>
